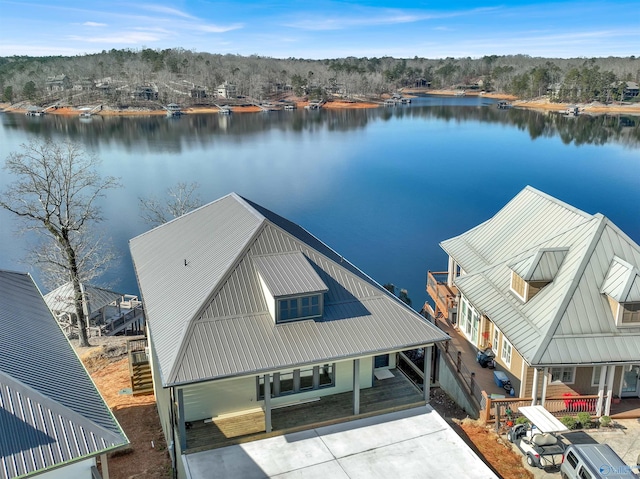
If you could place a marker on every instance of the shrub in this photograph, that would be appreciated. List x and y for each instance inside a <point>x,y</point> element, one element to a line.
<point>584,418</point>
<point>522,420</point>
<point>605,421</point>
<point>569,422</point>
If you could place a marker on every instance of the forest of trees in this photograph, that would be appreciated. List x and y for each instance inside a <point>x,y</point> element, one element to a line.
<point>177,72</point>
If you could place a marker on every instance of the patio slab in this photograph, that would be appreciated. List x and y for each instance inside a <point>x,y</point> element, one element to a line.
<point>411,443</point>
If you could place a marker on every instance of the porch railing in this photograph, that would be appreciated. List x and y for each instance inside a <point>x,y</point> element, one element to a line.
<point>467,377</point>
<point>442,294</point>
<point>559,407</point>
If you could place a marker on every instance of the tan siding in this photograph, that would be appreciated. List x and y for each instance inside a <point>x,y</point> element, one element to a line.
<point>582,382</point>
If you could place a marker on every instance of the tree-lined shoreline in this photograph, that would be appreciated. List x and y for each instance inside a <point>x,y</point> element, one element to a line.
<point>146,79</point>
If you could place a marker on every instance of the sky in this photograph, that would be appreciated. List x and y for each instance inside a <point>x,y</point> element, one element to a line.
<point>324,29</point>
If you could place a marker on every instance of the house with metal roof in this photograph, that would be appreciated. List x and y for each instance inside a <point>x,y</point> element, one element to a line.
<point>555,292</point>
<point>107,312</point>
<point>53,420</point>
<point>257,327</point>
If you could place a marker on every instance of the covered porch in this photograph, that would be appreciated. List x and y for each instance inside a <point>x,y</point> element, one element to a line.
<point>393,393</point>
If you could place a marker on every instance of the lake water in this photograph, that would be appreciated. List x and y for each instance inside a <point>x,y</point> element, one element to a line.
<point>382,187</point>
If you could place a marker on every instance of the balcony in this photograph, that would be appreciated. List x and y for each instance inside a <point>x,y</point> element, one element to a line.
<point>443,295</point>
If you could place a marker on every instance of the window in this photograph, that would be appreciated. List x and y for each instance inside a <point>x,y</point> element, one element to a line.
<point>625,314</point>
<point>562,375</point>
<point>463,316</point>
<point>595,376</point>
<point>584,474</point>
<point>572,459</point>
<point>630,313</point>
<point>506,352</point>
<point>298,380</point>
<point>518,286</point>
<point>496,339</point>
<point>381,361</point>
<point>299,308</point>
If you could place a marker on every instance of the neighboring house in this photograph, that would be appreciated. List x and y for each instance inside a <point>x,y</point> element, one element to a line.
<point>145,92</point>
<point>84,84</point>
<point>198,92</point>
<point>58,83</point>
<point>555,292</point>
<point>248,312</point>
<point>108,312</point>
<point>631,89</point>
<point>53,421</point>
<point>227,90</point>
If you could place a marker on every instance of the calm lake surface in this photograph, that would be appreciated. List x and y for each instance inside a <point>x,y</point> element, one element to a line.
<point>382,187</point>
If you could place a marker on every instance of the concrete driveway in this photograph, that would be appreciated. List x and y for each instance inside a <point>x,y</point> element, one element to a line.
<point>624,439</point>
<point>411,443</point>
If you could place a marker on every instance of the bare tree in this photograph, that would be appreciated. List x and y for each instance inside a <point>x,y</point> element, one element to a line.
<point>55,193</point>
<point>182,198</point>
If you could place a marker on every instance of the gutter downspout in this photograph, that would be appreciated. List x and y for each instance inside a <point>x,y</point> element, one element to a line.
<point>174,468</point>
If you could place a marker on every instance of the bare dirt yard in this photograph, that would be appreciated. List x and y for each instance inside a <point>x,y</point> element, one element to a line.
<point>148,458</point>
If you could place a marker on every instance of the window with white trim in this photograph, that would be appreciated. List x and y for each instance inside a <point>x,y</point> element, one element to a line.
<point>496,339</point>
<point>630,313</point>
<point>507,351</point>
<point>595,376</point>
<point>565,375</point>
<point>624,314</point>
<point>300,307</point>
<point>299,380</point>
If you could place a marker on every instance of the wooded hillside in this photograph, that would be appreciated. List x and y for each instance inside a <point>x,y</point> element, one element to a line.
<point>176,75</point>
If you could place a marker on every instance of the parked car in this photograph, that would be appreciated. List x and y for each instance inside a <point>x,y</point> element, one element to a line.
<point>595,461</point>
<point>537,439</point>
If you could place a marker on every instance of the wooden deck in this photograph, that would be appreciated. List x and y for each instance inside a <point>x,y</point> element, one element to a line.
<point>385,396</point>
<point>443,295</point>
<point>627,408</point>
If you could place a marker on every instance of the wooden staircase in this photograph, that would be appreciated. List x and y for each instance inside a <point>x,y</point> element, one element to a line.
<point>139,367</point>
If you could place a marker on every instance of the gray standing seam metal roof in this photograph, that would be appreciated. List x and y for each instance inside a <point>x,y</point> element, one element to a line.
<point>50,411</point>
<point>569,321</point>
<point>208,319</point>
<point>288,274</point>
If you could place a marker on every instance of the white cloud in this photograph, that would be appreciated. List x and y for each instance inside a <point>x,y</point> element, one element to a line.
<point>166,10</point>
<point>217,28</point>
<point>373,17</point>
<point>126,38</point>
<point>94,24</point>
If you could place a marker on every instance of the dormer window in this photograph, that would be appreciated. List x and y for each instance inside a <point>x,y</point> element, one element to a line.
<point>630,314</point>
<point>292,287</point>
<point>303,307</point>
<point>529,275</point>
<point>622,287</point>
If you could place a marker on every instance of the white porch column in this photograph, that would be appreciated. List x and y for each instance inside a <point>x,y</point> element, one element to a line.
<point>267,403</point>
<point>534,389</point>
<point>356,387</point>
<point>426,384</point>
<point>610,374</point>
<point>601,386</point>
<point>451,272</point>
<point>545,381</point>
<point>182,427</point>
<point>104,466</point>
